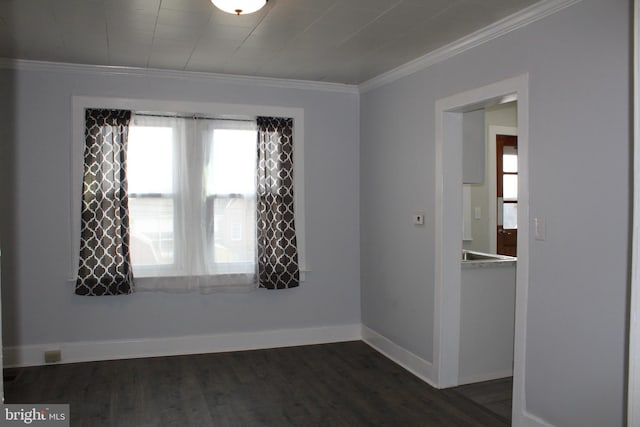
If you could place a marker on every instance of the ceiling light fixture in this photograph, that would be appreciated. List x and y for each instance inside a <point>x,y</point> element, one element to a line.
<point>239,7</point>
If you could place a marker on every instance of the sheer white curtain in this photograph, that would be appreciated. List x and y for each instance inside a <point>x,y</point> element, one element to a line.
<point>192,203</point>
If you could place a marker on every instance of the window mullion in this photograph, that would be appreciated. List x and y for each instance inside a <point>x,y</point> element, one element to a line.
<point>180,188</point>
<point>194,180</point>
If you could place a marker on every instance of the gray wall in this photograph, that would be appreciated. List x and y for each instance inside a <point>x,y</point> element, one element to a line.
<point>473,147</point>
<point>39,305</point>
<point>578,62</point>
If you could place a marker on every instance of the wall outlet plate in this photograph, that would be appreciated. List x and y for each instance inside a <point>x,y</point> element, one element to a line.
<point>52,356</point>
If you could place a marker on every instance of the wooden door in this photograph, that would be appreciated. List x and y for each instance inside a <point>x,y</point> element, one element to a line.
<point>507,194</point>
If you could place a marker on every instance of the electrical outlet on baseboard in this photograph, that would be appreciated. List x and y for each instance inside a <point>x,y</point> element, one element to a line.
<point>52,356</point>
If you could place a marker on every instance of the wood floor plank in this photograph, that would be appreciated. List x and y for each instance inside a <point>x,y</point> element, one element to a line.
<point>343,384</point>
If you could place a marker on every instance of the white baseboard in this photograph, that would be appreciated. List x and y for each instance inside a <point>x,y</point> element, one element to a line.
<point>403,357</point>
<point>485,377</point>
<point>529,420</point>
<point>90,351</point>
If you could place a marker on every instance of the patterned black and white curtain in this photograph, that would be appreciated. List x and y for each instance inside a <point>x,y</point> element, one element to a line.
<point>105,263</point>
<point>276,235</point>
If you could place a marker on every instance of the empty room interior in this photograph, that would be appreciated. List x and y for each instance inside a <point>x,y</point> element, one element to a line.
<point>320,212</point>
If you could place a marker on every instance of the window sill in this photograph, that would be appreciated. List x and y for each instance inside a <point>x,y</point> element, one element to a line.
<point>190,284</point>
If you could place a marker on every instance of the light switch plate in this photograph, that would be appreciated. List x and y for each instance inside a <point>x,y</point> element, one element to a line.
<point>477,212</point>
<point>418,218</point>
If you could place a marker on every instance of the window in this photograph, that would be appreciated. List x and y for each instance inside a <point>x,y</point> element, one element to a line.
<point>151,195</point>
<point>162,222</point>
<point>507,194</point>
<point>509,178</point>
<point>231,191</point>
<point>192,197</point>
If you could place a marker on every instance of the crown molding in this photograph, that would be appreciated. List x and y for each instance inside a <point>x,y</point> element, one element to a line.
<point>506,25</point>
<point>29,65</point>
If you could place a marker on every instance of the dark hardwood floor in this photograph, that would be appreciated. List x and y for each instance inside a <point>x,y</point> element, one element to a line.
<point>344,384</point>
<point>495,395</point>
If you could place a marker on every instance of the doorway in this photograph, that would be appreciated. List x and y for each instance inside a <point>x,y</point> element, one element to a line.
<point>449,217</point>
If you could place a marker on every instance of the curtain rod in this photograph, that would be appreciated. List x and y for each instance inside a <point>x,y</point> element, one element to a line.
<point>191,116</point>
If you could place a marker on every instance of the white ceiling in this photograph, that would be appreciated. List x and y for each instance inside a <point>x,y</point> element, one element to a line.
<point>341,41</point>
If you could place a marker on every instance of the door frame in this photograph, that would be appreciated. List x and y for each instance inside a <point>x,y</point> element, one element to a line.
<point>448,217</point>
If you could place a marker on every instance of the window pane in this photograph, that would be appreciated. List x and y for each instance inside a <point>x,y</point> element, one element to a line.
<point>510,163</point>
<point>510,187</point>
<point>510,216</point>
<point>151,222</point>
<point>231,181</point>
<point>150,160</point>
<point>509,159</point>
<point>232,163</point>
<point>232,239</point>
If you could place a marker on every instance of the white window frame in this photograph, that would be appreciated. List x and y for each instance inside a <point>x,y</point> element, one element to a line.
<point>181,267</point>
<point>79,104</point>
